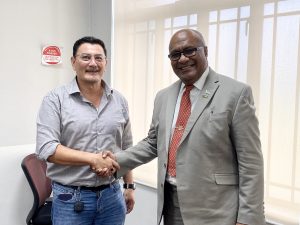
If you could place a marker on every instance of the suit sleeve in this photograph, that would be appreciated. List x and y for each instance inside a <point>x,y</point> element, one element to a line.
<point>245,137</point>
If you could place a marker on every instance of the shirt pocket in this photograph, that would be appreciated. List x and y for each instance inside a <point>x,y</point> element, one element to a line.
<point>118,118</point>
<point>113,123</point>
<point>226,178</point>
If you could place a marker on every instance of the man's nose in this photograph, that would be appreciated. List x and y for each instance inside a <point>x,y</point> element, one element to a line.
<point>183,58</point>
<point>92,61</point>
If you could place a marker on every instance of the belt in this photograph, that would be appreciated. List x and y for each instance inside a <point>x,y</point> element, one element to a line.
<point>170,186</point>
<point>94,189</point>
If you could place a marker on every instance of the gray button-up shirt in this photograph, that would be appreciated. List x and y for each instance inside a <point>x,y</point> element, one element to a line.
<point>65,117</point>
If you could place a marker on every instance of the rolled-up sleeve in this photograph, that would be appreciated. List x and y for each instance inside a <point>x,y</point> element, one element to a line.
<point>48,126</point>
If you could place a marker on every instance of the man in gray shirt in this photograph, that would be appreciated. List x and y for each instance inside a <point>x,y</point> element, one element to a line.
<point>74,123</point>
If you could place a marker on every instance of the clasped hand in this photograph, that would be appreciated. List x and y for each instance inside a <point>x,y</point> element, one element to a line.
<point>104,164</point>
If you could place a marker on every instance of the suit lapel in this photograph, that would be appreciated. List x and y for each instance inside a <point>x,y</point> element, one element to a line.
<point>170,109</point>
<point>210,87</point>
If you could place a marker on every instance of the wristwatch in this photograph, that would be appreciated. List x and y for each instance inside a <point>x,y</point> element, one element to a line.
<point>129,186</point>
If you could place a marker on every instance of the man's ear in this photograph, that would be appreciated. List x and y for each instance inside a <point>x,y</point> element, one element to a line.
<point>206,51</point>
<point>73,61</point>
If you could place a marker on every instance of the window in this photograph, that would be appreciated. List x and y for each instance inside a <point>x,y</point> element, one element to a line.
<point>228,41</point>
<point>256,42</point>
<point>279,105</point>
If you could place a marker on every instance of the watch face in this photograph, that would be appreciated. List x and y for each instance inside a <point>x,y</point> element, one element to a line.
<point>129,186</point>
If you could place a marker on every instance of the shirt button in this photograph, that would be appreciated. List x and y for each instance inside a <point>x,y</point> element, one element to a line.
<point>165,165</point>
<point>162,185</point>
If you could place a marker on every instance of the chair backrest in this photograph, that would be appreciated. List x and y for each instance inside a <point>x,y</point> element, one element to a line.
<point>35,172</point>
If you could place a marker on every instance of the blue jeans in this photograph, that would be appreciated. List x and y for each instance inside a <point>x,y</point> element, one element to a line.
<point>106,207</point>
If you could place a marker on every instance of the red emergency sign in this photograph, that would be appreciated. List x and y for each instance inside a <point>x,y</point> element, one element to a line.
<point>51,55</point>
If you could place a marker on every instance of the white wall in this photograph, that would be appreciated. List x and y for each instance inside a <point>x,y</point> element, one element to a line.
<point>145,209</point>
<point>101,26</point>
<point>15,193</point>
<point>25,27</point>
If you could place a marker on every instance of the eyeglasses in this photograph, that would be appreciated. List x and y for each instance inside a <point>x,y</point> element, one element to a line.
<point>88,57</point>
<point>188,52</point>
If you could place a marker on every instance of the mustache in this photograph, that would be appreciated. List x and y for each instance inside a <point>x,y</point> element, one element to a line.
<point>95,69</point>
<point>184,65</point>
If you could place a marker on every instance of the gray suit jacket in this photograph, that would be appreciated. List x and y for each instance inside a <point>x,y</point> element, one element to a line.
<point>219,162</point>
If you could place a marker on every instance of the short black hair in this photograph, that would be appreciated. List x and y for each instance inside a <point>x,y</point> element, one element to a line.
<point>88,39</point>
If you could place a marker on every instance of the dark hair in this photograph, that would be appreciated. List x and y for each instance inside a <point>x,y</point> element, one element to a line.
<point>88,39</point>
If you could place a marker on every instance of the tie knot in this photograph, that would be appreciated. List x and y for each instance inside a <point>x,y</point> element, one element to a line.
<point>189,87</point>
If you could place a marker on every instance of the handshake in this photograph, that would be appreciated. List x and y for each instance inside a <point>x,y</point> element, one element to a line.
<point>104,164</point>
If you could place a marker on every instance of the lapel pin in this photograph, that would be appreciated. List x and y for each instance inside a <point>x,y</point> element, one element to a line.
<point>206,94</point>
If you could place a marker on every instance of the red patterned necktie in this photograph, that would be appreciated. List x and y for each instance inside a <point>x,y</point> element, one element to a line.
<point>183,116</point>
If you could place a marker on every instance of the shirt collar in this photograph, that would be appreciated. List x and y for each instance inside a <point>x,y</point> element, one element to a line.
<point>73,88</point>
<point>200,82</point>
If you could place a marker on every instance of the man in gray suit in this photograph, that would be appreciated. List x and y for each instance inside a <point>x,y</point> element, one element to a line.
<point>218,166</point>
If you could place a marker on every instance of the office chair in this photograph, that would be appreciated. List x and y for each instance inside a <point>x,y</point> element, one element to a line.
<point>35,172</point>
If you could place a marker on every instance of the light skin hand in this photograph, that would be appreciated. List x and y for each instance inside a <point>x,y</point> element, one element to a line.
<point>104,166</point>
<point>111,165</point>
<point>108,154</point>
<point>66,156</point>
<point>129,199</point>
